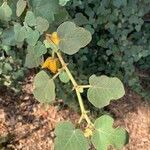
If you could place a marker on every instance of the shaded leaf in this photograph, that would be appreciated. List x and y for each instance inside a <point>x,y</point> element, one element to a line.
<point>105,135</point>
<point>32,36</point>
<point>20,32</point>
<point>44,90</point>
<point>45,8</point>
<point>104,89</point>
<point>21,5</point>
<point>68,138</point>
<point>8,37</point>
<point>41,24</point>
<point>72,38</point>
<point>34,56</point>
<point>64,77</point>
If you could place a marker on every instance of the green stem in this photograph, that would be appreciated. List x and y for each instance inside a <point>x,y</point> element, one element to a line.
<point>83,111</point>
<point>84,86</point>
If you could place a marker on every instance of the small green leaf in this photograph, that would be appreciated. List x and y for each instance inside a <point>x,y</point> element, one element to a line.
<point>5,12</point>
<point>72,38</point>
<point>30,18</point>
<point>69,138</point>
<point>34,56</point>
<point>44,90</point>
<point>21,5</point>
<point>63,2</point>
<point>41,24</point>
<point>32,36</point>
<point>8,37</point>
<point>45,8</point>
<point>104,89</point>
<point>64,77</point>
<point>119,3</point>
<point>20,32</point>
<point>105,135</point>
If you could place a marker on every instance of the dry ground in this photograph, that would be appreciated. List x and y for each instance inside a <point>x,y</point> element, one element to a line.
<point>30,127</point>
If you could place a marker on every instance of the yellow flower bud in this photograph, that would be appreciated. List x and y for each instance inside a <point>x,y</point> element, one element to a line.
<point>52,64</point>
<point>88,132</point>
<point>53,38</point>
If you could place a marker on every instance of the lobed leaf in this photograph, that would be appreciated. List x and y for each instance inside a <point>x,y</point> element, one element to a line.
<point>45,8</point>
<point>105,135</point>
<point>104,89</point>
<point>34,56</point>
<point>69,138</point>
<point>72,38</point>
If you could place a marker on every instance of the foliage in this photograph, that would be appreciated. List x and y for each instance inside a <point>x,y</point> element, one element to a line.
<point>115,28</point>
<point>120,36</point>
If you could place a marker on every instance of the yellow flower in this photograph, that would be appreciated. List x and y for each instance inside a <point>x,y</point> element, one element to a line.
<point>52,64</point>
<point>88,132</point>
<point>53,37</point>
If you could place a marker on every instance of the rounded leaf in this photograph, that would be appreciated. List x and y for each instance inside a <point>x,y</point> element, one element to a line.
<point>68,138</point>
<point>104,89</point>
<point>105,135</point>
<point>41,24</point>
<point>44,90</point>
<point>64,77</point>
<point>72,37</point>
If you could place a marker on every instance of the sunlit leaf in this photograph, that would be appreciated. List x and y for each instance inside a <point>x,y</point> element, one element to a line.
<point>5,12</point>
<point>72,37</point>
<point>21,5</point>
<point>104,89</point>
<point>69,138</point>
<point>105,135</point>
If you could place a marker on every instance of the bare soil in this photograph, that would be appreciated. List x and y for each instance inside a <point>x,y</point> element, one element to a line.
<point>27,125</point>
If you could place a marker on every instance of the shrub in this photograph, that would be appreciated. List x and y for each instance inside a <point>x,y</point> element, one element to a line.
<point>24,25</point>
<point>120,36</point>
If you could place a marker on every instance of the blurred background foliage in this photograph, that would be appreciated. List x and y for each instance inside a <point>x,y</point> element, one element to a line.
<point>120,45</point>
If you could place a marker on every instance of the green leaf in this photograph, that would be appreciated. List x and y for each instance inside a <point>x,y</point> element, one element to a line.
<point>21,5</point>
<point>80,19</point>
<point>72,38</point>
<point>20,32</point>
<point>34,56</point>
<point>41,24</point>
<point>44,90</point>
<point>5,12</point>
<point>32,36</point>
<point>63,2</point>
<point>64,77</point>
<point>45,8</point>
<point>105,135</point>
<point>30,18</point>
<point>119,3</point>
<point>69,138</point>
<point>104,89</point>
<point>8,37</point>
